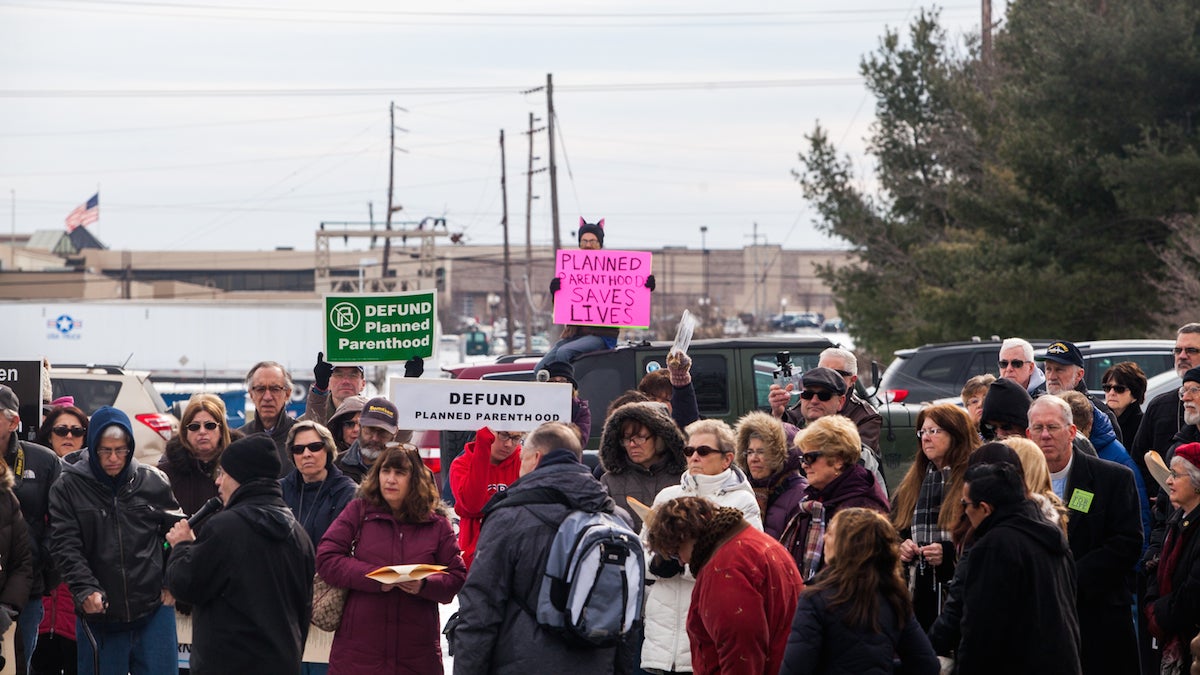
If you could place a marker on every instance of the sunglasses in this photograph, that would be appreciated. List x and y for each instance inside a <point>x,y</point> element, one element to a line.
<point>1119,388</point>
<point>811,457</point>
<point>808,395</point>
<point>702,450</point>
<point>1015,363</point>
<point>315,446</point>
<point>195,426</point>
<point>63,431</point>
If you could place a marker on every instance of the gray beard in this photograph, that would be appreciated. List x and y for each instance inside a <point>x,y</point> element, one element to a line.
<point>368,454</point>
<point>1192,418</point>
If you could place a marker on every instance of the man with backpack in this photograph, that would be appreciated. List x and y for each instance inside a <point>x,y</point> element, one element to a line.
<point>515,611</point>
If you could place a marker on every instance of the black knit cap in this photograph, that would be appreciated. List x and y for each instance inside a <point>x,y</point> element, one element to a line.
<point>562,369</point>
<point>595,228</point>
<point>251,458</point>
<point>1192,375</point>
<point>1007,402</point>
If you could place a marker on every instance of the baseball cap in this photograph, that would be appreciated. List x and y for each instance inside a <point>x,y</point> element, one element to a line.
<point>380,412</point>
<point>1063,352</point>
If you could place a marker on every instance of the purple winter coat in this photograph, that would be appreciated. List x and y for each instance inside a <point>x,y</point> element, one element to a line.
<point>388,632</point>
<point>783,503</point>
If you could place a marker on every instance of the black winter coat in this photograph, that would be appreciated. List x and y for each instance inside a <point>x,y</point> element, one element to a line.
<point>822,643</point>
<point>16,558</point>
<point>317,505</point>
<point>496,635</point>
<point>112,542</point>
<point>35,469</point>
<point>1162,420</point>
<point>1177,613</point>
<point>1018,598</point>
<point>191,480</point>
<point>278,435</point>
<point>249,574</point>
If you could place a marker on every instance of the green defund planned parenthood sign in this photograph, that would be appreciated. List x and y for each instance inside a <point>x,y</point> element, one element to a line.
<point>379,327</point>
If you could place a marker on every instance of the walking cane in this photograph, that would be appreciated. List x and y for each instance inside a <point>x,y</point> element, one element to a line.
<point>87,630</point>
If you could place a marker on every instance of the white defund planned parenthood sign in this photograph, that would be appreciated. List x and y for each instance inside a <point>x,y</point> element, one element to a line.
<point>467,405</point>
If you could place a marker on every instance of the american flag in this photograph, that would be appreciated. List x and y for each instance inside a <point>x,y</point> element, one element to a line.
<point>84,214</point>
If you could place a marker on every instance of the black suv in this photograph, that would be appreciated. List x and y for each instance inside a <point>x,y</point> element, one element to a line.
<point>937,371</point>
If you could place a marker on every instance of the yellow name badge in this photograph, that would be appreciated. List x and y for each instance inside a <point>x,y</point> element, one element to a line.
<point>1081,500</point>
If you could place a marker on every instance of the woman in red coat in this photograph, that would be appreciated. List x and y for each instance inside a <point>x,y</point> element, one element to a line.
<point>747,585</point>
<point>397,519</point>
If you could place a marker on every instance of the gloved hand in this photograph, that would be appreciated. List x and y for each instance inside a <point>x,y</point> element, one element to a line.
<point>8,615</point>
<point>321,372</point>
<point>650,282</point>
<point>664,568</point>
<point>555,285</point>
<point>679,367</point>
<point>414,367</point>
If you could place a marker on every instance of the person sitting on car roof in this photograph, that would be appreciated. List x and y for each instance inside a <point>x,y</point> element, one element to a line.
<point>576,340</point>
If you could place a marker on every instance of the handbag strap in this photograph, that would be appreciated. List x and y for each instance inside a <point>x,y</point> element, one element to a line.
<point>362,517</point>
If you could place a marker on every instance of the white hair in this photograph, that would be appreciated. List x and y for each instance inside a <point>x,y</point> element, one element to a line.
<point>115,431</point>
<point>845,355</point>
<point>1193,471</point>
<point>1026,348</point>
<point>1064,408</point>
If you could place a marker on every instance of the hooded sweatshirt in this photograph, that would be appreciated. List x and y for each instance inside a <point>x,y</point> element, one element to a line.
<point>474,480</point>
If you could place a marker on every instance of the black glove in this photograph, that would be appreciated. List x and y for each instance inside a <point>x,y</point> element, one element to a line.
<point>321,372</point>
<point>664,568</point>
<point>8,615</point>
<point>414,367</point>
<point>555,285</point>
<point>650,282</point>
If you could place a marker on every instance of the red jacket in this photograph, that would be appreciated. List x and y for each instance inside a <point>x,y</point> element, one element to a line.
<point>393,631</point>
<point>60,613</point>
<point>742,606</point>
<point>474,480</point>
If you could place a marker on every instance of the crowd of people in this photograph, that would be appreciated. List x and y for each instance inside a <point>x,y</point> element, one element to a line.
<point>1030,534</point>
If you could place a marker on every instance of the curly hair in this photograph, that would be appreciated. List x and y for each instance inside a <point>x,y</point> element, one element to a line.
<point>422,498</point>
<point>718,428</point>
<point>672,523</point>
<point>864,563</point>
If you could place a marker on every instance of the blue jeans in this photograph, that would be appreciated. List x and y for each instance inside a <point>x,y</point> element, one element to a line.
<point>568,349</point>
<point>27,627</point>
<point>307,668</point>
<point>144,647</point>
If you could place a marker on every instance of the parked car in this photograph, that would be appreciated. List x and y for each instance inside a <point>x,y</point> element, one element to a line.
<point>94,386</point>
<point>937,371</point>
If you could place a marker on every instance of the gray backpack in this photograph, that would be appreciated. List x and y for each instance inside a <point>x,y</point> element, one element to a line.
<point>594,578</point>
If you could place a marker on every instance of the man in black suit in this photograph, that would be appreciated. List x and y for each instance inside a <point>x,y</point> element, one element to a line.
<point>1104,529</point>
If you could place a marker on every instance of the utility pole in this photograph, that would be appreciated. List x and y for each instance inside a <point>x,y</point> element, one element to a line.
<point>529,197</point>
<point>508,323</point>
<point>758,278</point>
<point>553,165</point>
<point>392,206</point>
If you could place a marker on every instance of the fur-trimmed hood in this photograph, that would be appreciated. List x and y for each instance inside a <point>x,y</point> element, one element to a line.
<point>653,416</point>
<point>181,461</point>
<point>770,430</point>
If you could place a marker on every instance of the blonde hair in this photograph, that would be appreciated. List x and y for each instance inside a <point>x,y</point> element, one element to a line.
<point>215,407</point>
<point>835,435</point>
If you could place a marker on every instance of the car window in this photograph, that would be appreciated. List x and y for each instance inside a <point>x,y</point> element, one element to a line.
<point>765,366</point>
<point>945,368</point>
<point>982,363</point>
<point>89,394</point>
<point>710,379</point>
<point>1151,365</point>
<point>159,404</point>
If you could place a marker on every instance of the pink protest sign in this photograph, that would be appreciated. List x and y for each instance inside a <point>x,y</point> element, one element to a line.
<point>602,288</point>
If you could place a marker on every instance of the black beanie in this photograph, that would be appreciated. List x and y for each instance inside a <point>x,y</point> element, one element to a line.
<point>251,458</point>
<point>595,228</point>
<point>1007,402</point>
<point>1192,375</point>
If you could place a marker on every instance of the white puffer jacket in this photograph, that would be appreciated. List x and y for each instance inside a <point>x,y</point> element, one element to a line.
<point>666,646</point>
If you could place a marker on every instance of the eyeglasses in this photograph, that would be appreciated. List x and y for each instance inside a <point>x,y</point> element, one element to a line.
<point>1052,428</point>
<point>315,446</point>
<point>1015,363</point>
<point>702,450</point>
<point>275,389</point>
<point>107,452</point>
<point>63,431</point>
<point>1185,392</point>
<point>811,457</point>
<point>635,440</point>
<point>510,438</point>
<point>967,502</point>
<point>931,431</point>
<point>1119,388</point>
<point>1191,351</point>
<point>808,395</point>
<point>195,426</point>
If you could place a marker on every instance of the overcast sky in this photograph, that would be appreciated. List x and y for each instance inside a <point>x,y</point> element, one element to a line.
<point>223,125</point>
